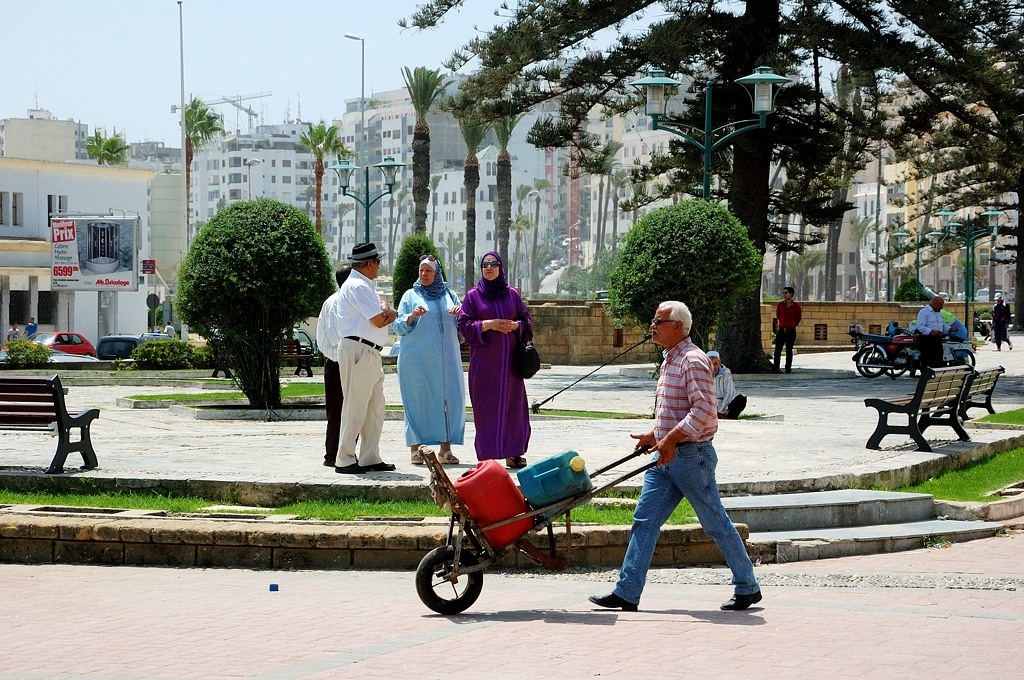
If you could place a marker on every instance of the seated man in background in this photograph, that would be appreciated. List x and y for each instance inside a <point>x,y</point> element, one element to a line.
<point>957,330</point>
<point>730,404</point>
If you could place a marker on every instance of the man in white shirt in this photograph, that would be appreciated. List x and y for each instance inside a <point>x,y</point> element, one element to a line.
<point>932,326</point>
<point>730,403</point>
<point>358,331</point>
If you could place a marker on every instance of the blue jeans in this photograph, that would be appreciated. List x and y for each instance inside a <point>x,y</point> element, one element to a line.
<point>690,475</point>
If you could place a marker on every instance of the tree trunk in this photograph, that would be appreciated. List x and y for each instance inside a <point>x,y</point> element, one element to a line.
<point>471,179</point>
<point>739,335</point>
<point>420,175</point>
<point>318,175</point>
<point>503,203</point>
<point>1018,278</point>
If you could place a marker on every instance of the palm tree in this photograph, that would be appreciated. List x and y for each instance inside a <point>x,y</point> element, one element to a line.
<point>398,198</point>
<point>474,129</point>
<point>801,265</point>
<point>619,180</point>
<point>539,185</point>
<point>321,140</point>
<point>435,180</point>
<point>110,150</point>
<point>503,128</point>
<point>602,164</point>
<point>424,86</point>
<point>342,210</point>
<point>454,244</point>
<point>521,223</point>
<point>201,127</point>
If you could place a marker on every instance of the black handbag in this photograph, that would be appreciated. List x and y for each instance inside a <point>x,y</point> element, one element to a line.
<point>527,360</point>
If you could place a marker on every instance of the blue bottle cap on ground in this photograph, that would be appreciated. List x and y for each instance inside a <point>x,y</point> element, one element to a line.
<point>273,587</point>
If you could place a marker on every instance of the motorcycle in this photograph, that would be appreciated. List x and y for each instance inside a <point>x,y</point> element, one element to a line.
<point>897,352</point>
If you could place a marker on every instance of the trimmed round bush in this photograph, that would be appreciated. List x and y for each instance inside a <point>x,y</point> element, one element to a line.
<point>695,252</point>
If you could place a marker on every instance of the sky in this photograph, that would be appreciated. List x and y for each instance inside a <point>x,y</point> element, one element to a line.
<point>115,63</point>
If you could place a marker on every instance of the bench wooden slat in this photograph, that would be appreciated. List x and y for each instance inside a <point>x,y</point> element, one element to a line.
<point>38,404</point>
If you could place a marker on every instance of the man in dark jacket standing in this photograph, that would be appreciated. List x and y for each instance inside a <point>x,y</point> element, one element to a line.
<point>1001,324</point>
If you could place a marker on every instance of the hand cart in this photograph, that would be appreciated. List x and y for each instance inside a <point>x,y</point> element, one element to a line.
<point>450,578</point>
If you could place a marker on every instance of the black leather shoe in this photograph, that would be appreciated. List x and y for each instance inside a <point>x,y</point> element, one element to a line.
<point>328,463</point>
<point>353,469</point>
<point>379,467</point>
<point>741,602</point>
<point>613,601</point>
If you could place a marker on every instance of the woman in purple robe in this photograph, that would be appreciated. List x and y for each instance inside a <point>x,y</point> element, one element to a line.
<point>494,321</point>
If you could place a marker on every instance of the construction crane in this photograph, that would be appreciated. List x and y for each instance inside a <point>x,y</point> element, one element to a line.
<point>237,100</point>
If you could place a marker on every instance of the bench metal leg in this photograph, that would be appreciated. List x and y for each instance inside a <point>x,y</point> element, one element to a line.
<point>952,421</point>
<point>83,446</point>
<point>884,429</point>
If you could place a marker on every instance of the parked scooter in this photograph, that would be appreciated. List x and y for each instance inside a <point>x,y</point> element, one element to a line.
<point>897,352</point>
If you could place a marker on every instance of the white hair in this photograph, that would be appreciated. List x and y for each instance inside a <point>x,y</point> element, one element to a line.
<point>679,312</point>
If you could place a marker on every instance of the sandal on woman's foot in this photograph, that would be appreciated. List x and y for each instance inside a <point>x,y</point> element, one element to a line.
<point>516,462</point>
<point>446,457</point>
<point>417,458</point>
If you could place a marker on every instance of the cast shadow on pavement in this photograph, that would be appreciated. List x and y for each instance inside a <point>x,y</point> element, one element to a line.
<point>608,618</point>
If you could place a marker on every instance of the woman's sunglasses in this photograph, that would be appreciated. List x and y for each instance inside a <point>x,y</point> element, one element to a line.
<point>487,264</point>
<point>428,257</point>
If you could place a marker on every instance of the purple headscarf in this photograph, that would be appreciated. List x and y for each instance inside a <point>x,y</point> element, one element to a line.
<point>498,288</point>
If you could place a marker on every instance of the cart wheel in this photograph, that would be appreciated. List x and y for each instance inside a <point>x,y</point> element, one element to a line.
<point>441,595</point>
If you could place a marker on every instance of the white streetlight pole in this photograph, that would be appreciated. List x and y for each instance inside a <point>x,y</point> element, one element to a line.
<point>362,122</point>
<point>251,163</point>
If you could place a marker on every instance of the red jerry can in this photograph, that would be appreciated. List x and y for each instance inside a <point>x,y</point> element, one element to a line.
<point>491,496</point>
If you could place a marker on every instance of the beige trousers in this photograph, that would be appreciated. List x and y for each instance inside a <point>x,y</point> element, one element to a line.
<point>362,414</point>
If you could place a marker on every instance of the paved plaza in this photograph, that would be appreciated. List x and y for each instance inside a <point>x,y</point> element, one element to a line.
<point>949,612</point>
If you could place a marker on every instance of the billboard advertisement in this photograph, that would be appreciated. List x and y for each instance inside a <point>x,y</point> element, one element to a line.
<point>94,253</point>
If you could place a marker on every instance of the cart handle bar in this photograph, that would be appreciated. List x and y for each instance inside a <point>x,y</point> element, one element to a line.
<point>629,456</point>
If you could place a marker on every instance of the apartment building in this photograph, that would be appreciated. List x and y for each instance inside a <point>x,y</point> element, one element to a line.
<point>31,191</point>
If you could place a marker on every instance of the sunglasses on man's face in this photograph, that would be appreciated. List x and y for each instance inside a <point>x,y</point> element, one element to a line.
<point>658,322</point>
<point>488,264</point>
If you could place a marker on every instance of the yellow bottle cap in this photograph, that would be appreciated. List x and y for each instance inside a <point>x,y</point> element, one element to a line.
<point>577,464</point>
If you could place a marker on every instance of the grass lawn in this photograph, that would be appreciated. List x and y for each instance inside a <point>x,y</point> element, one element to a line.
<point>1015,417</point>
<point>973,482</point>
<point>342,510</point>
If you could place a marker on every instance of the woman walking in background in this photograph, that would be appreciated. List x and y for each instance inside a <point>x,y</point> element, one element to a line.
<point>430,364</point>
<point>494,321</point>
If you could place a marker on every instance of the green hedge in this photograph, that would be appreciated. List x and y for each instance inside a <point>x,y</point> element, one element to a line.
<point>27,354</point>
<point>165,355</point>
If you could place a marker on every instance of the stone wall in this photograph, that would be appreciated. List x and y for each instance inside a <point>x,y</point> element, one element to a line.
<point>582,334</point>
<point>825,325</point>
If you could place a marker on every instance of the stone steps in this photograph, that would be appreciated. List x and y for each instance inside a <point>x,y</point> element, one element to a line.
<point>826,524</point>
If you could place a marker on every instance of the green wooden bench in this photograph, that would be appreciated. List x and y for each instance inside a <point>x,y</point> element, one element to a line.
<point>936,401</point>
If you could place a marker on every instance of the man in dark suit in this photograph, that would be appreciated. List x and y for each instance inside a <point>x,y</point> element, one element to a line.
<point>332,380</point>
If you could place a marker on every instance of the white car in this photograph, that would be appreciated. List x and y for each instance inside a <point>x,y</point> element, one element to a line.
<point>58,357</point>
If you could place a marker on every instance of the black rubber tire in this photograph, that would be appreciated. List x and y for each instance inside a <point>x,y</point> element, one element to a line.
<point>441,595</point>
<point>871,354</point>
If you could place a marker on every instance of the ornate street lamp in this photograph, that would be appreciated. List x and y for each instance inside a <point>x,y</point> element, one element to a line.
<point>761,86</point>
<point>389,168</point>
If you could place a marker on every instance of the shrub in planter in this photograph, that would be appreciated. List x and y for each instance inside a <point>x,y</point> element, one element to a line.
<point>203,357</point>
<point>164,355</point>
<point>27,354</point>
